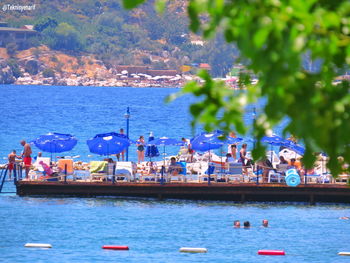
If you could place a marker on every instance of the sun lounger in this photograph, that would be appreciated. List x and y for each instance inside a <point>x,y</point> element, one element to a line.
<point>181,177</point>
<point>234,173</point>
<point>124,171</point>
<point>204,174</point>
<point>38,170</point>
<point>65,167</point>
<point>98,170</point>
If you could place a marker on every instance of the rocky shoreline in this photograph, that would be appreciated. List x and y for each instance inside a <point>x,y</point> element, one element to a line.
<point>7,76</point>
<point>26,79</point>
<point>41,66</point>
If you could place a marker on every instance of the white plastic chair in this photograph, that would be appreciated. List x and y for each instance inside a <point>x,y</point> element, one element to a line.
<point>234,172</point>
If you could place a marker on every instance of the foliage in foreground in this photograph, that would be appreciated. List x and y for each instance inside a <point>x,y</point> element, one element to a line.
<point>273,36</point>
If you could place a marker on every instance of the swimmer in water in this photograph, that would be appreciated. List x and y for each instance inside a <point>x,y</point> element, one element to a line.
<point>236,224</point>
<point>344,217</point>
<point>246,224</point>
<point>265,223</point>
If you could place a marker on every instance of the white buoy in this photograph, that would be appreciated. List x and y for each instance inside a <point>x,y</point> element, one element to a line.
<point>344,253</point>
<point>193,250</point>
<point>38,245</point>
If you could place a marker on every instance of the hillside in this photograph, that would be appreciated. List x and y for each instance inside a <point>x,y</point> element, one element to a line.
<point>105,31</point>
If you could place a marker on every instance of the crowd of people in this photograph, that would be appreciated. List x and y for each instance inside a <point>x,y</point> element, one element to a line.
<point>263,166</point>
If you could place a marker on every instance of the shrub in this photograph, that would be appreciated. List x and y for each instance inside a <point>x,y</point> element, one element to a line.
<point>48,73</point>
<point>15,68</point>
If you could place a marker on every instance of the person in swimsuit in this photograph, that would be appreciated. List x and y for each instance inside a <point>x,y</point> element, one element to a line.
<point>27,159</point>
<point>140,149</point>
<point>12,161</point>
<point>242,154</point>
<point>233,151</point>
<point>243,158</point>
<point>121,131</point>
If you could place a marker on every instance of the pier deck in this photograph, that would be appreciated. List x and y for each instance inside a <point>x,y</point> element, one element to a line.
<point>242,192</point>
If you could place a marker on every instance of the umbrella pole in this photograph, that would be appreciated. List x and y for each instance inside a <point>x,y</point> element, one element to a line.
<point>209,168</point>
<point>50,154</point>
<point>221,152</point>
<point>163,168</point>
<point>271,153</point>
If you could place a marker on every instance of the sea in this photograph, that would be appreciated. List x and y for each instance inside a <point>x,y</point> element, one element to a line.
<point>153,230</point>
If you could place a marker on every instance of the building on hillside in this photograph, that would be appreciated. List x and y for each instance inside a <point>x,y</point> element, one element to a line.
<point>19,36</point>
<point>146,70</point>
<point>204,66</point>
<point>197,42</point>
<point>132,69</point>
<point>162,72</point>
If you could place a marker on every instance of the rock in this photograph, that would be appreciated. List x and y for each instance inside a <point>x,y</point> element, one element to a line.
<point>6,74</point>
<point>48,81</point>
<point>60,82</point>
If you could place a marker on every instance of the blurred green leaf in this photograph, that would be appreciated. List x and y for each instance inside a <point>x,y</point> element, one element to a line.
<point>296,49</point>
<point>129,4</point>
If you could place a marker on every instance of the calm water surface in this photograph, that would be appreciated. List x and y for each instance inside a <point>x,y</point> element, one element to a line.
<point>154,230</point>
<point>29,111</point>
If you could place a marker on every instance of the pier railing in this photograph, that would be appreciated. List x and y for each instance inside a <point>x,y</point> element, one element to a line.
<point>5,173</point>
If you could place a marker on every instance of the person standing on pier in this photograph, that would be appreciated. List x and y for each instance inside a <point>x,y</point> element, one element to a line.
<point>27,159</point>
<point>140,149</point>
<point>12,161</point>
<point>187,143</point>
<point>232,148</point>
<point>121,131</point>
<point>243,158</point>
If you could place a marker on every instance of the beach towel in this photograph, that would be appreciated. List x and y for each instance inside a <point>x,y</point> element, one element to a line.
<point>98,166</point>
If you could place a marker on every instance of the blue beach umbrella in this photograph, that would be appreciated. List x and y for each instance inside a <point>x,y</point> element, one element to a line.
<point>207,141</point>
<point>210,141</point>
<point>151,150</point>
<point>165,141</point>
<point>275,140</point>
<point>295,147</point>
<point>108,143</point>
<point>55,142</point>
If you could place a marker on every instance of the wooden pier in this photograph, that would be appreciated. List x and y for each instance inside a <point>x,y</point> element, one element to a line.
<point>241,192</point>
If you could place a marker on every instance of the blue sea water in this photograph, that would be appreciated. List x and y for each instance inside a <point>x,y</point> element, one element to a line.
<point>29,111</point>
<point>154,230</point>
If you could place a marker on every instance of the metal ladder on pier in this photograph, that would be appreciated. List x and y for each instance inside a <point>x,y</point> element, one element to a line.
<point>17,174</point>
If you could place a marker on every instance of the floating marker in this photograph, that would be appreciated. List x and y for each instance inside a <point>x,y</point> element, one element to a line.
<point>38,245</point>
<point>115,247</point>
<point>193,250</point>
<point>271,252</point>
<point>344,253</point>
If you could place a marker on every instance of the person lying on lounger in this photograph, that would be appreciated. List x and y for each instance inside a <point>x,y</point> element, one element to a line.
<point>174,168</point>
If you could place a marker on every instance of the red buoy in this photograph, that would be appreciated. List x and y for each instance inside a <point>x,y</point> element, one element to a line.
<point>115,247</point>
<point>271,252</point>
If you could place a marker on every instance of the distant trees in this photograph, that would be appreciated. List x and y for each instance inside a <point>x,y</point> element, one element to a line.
<point>44,23</point>
<point>169,26</point>
<point>115,35</point>
<point>59,36</point>
<point>67,37</point>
